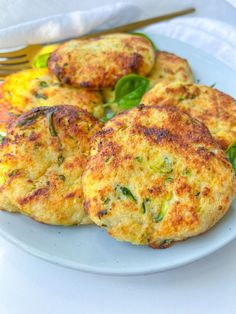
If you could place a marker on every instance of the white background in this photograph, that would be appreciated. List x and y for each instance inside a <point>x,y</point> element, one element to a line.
<point>31,286</point>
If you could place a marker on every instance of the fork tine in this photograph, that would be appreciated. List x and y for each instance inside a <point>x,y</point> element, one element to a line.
<point>14,54</point>
<point>14,61</point>
<point>14,68</point>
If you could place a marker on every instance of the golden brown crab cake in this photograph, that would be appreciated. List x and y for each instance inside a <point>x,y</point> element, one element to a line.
<point>169,68</point>
<point>42,160</point>
<point>155,176</point>
<point>32,88</point>
<point>97,63</point>
<point>214,108</point>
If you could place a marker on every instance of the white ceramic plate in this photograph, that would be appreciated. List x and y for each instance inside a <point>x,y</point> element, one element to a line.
<point>89,248</point>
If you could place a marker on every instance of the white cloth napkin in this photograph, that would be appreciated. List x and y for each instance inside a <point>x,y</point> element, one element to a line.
<point>64,26</point>
<point>215,37</point>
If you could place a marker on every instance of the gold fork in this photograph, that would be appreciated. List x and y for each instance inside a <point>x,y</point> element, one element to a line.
<point>16,60</point>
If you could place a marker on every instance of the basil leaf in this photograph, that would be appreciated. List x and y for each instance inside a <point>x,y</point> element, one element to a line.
<point>129,90</point>
<point>145,36</point>
<point>41,61</point>
<point>231,154</point>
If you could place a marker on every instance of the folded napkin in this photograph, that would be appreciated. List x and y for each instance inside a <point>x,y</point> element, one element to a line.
<point>215,37</point>
<point>64,26</point>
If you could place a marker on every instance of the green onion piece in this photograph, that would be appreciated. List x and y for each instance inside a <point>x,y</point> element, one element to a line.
<point>60,160</point>
<point>62,177</point>
<point>144,205</point>
<point>166,166</point>
<point>51,127</point>
<point>139,158</point>
<point>126,192</point>
<point>106,201</point>
<point>13,172</point>
<point>37,95</point>
<point>162,212</point>
<point>43,84</point>
<point>231,154</point>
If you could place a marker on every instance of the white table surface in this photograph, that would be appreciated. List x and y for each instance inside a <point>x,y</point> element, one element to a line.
<point>31,286</point>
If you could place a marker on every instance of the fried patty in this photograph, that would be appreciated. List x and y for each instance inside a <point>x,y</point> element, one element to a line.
<point>32,88</point>
<point>214,108</point>
<point>97,63</point>
<point>41,163</point>
<point>169,68</point>
<point>156,176</point>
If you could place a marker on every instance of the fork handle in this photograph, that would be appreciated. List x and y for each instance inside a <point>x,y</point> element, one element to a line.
<point>132,26</point>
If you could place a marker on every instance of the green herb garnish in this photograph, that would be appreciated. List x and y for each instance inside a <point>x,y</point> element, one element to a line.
<point>162,212</point>
<point>144,205</point>
<point>126,192</point>
<point>38,95</point>
<point>43,84</point>
<point>231,154</point>
<point>62,177</point>
<point>13,172</point>
<point>106,201</point>
<point>60,160</point>
<point>139,158</point>
<point>213,85</point>
<point>129,90</point>
<point>166,166</point>
<point>181,98</point>
<point>51,127</point>
<point>41,61</point>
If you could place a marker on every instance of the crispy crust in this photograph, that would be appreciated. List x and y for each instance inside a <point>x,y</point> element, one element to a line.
<point>214,108</point>
<point>155,176</point>
<point>99,62</point>
<point>42,160</point>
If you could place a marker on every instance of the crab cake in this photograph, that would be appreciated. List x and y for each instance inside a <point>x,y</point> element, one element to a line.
<point>32,88</point>
<point>156,176</point>
<point>214,108</point>
<point>169,68</point>
<point>42,159</point>
<point>97,63</point>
